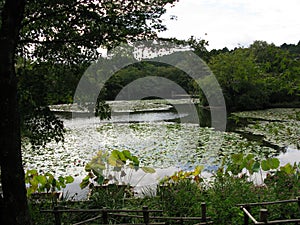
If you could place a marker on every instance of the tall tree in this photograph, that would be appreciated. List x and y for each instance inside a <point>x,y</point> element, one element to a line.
<point>67,31</point>
<point>240,79</point>
<point>15,210</point>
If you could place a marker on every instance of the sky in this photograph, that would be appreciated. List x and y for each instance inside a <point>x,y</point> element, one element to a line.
<point>234,23</point>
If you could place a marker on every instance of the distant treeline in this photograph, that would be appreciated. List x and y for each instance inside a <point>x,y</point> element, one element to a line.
<point>259,76</point>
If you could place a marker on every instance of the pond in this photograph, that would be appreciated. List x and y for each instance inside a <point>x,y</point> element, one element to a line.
<point>151,132</point>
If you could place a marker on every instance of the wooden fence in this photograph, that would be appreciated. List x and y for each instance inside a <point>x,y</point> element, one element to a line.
<point>263,213</point>
<point>144,214</point>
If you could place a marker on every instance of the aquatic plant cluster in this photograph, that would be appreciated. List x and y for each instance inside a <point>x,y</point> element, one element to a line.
<point>112,168</point>
<point>280,127</point>
<point>159,145</point>
<point>164,144</point>
<point>241,171</point>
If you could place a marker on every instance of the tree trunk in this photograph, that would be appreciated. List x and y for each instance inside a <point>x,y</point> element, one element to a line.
<point>15,209</point>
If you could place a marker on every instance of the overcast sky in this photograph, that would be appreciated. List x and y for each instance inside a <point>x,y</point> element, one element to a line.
<point>232,23</point>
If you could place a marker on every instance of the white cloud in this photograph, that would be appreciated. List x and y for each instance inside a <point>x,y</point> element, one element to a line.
<point>232,22</point>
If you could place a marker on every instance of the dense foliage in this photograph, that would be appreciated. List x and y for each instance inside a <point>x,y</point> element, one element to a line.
<point>42,41</point>
<point>59,39</point>
<point>182,193</point>
<point>260,76</point>
<point>67,32</point>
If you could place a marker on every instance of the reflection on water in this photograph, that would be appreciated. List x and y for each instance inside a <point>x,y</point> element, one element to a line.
<point>291,156</point>
<point>153,136</point>
<point>155,142</point>
<point>147,117</point>
<point>158,140</point>
<point>123,118</point>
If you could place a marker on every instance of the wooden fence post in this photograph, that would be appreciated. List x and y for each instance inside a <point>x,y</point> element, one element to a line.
<point>181,221</point>
<point>105,215</point>
<point>263,215</point>
<point>57,216</point>
<point>146,215</point>
<point>298,199</point>
<point>203,211</point>
<point>246,217</point>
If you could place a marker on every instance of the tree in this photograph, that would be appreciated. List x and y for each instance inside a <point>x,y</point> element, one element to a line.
<point>143,69</point>
<point>292,48</point>
<point>281,69</point>
<point>65,31</point>
<point>240,79</point>
<point>12,174</point>
<point>257,77</point>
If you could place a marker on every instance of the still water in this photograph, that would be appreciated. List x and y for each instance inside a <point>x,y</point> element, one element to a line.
<point>155,137</point>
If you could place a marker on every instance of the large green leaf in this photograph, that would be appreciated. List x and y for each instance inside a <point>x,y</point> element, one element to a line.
<point>135,161</point>
<point>34,183</point>
<point>61,179</point>
<point>237,158</point>
<point>69,179</point>
<point>270,163</point>
<point>32,172</point>
<point>88,167</point>
<point>116,159</point>
<point>100,179</point>
<point>115,154</point>
<point>287,168</point>
<point>127,154</point>
<point>85,182</point>
<point>256,167</point>
<point>41,179</point>
<point>249,164</point>
<point>265,165</point>
<point>274,163</point>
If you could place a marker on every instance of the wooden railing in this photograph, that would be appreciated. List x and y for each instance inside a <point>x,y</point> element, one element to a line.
<point>144,214</point>
<point>263,213</point>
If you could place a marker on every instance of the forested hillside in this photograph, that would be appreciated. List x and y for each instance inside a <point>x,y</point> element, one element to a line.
<point>255,77</point>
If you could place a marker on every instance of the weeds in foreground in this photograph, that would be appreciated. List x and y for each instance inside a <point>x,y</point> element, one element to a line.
<point>182,193</point>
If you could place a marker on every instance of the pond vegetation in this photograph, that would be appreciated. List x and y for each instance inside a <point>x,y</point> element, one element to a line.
<point>256,159</point>
<point>160,144</point>
<point>277,126</point>
<point>182,193</point>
